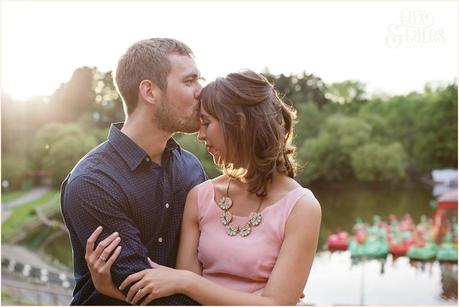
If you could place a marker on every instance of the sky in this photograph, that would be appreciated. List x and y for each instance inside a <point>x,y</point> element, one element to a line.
<point>394,47</point>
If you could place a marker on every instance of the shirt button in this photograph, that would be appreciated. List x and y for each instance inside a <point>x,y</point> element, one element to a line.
<point>167,205</point>
<point>160,239</point>
<point>147,159</point>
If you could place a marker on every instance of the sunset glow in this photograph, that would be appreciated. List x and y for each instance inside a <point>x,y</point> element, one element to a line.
<point>43,42</point>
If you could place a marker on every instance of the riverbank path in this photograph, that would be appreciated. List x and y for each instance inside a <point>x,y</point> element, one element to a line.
<point>32,195</point>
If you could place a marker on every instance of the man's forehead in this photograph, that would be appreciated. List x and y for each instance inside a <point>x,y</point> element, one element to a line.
<point>183,64</point>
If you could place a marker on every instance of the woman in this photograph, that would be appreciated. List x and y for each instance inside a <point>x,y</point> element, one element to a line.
<point>249,236</point>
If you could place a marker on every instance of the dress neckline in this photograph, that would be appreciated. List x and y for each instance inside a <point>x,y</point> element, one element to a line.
<point>267,207</point>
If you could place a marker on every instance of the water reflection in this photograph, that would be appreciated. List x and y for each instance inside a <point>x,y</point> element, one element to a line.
<point>449,281</point>
<point>336,279</point>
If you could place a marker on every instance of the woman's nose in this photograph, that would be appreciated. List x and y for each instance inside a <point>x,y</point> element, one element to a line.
<point>201,135</point>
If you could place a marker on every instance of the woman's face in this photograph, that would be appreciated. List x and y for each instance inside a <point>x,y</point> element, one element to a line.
<point>211,134</point>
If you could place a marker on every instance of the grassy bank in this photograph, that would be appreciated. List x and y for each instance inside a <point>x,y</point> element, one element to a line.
<point>9,196</point>
<point>20,215</point>
<point>8,299</point>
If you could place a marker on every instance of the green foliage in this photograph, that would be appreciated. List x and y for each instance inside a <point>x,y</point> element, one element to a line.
<point>327,156</point>
<point>345,92</point>
<point>309,119</point>
<point>299,89</point>
<point>58,147</point>
<point>13,170</point>
<point>108,105</point>
<point>437,127</point>
<point>338,129</point>
<point>22,214</point>
<point>75,97</point>
<point>425,124</point>
<point>375,162</point>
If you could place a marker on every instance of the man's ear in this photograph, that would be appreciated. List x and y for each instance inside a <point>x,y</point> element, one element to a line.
<point>149,91</point>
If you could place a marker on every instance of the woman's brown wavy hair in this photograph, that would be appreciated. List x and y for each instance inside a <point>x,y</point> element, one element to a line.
<point>257,128</point>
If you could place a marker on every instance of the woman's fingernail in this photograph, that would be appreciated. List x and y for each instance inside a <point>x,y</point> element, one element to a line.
<point>116,233</point>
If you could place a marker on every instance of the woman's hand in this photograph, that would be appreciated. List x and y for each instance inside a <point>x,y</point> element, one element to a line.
<point>100,260</point>
<point>153,283</point>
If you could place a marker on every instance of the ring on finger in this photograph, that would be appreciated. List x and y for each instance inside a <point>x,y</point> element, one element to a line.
<point>103,259</point>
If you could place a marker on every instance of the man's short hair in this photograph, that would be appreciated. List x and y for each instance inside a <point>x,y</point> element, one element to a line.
<point>146,60</point>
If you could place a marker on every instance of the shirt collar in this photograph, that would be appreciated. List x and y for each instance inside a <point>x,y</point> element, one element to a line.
<point>172,144</point>
<point>132,153</point>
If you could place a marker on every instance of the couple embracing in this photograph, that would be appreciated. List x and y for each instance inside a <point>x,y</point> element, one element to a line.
<point>148,227</point>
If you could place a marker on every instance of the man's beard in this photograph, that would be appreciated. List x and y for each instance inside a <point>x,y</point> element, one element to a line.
<point>170,119</point>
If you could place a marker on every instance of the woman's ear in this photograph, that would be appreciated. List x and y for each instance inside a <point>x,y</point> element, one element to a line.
<point>242,120</point>
<point>149,91</point>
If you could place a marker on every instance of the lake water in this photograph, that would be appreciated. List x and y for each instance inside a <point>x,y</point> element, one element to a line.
<point>336,280</point>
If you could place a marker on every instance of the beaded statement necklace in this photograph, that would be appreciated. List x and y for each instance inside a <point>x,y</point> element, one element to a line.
<point>226,217</point>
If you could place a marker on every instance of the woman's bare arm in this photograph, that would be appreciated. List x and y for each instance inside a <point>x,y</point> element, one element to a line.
<point>187,257</point>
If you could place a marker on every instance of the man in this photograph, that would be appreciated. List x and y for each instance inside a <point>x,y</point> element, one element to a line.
<point>136,182</point>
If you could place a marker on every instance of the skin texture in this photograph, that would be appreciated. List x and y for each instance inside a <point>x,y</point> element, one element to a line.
<point>178,109</point>
<point>160,113</point>
<point>211,134</point>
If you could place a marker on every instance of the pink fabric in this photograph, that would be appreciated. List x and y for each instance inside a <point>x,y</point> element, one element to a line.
<point>243,264</point>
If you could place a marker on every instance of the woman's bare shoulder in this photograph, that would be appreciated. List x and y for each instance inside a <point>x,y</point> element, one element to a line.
<point>307,206</point>
<point>220,182</point>
<point>220,179</point>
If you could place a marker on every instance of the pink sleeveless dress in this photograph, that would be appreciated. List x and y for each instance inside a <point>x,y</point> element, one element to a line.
<point>241,263</point>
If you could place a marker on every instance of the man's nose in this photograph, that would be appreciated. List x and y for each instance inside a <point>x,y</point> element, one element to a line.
<point>198,90</point>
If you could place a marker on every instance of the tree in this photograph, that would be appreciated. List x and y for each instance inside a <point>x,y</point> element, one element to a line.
<point>108,105</point>
<point>436,142</point>
<point>13,170</point>
<point>309,120</point>
<point>375,162</point>
<point>299,89</point>
<point>74,98</point>
<point>345,92</point>
<point>328,155</point>
<point>58,147</point>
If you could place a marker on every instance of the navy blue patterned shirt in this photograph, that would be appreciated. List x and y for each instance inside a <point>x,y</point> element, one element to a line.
<point>117,186</point>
